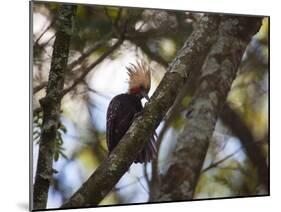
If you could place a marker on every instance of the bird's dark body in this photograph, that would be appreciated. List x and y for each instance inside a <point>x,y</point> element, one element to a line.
<point>120,115</point>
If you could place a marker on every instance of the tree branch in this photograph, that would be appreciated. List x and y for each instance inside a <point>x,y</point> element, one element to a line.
<point>39,87</point>
<point>44,31</point>
<point>94,64</point>
<point>239,128</point>
<point>89,51</point>
<point>149,53</point>
<point>217,75</point>
<point>76,62</point>
<point>190,57</point>
<point>51,107</point>
<point>215,164</point>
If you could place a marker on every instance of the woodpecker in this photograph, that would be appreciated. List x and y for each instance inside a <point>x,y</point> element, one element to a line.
<point>123,108</point>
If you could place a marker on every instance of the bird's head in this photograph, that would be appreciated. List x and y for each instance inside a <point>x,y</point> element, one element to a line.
<point>139,79</point>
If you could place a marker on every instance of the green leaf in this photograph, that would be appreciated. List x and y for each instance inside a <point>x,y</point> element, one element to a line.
<point>186,101</point>
<point>56,156</point>
<point>63,128</point>
<point>112,12</point>
<point>63,155</point>
<point>59,139</point>
<point>178,122</point>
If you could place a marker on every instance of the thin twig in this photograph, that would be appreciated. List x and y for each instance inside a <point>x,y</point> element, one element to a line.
<point>50,25</point>
<point>39,87</point>
<point>48,41</point>
<point>101,182</point>
<point>99,60</point>
<point>143,187</point>
<point>90,67</point>
<point>127,185</point>
<point>80,59</point>
<point>215,164</point>
<point>145,173</point>
<point>149,53</point>
<point>232,119</point>
<point>88,52</point>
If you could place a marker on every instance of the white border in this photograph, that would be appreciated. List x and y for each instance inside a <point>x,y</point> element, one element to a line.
<point>14,102</point>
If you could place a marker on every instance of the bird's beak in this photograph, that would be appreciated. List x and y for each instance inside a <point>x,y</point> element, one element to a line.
<point>144,94</point>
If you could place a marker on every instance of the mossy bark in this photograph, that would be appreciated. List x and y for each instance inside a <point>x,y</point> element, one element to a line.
<point>189,58</point>
<point>180,180</point>
<point>51,107</point>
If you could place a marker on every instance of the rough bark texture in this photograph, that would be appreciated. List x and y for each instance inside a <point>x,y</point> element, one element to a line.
<point>189,58</point>
<point>239,128</point>
<point>51,107</point>
<point>217,75</point>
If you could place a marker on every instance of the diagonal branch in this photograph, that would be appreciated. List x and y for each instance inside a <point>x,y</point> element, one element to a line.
<point>189,58</point>
<point>80,59</point>
<point>89,51</point>
<point>239,128</point>
<point>45,30</point>
<point>51,107</point>
<point>215,164</point>
<point>86,71</point>
<point>217,75</point>
<point>39,87</point>
<point>149,53</point>
<point>82,76</point>
<point>90,67</point>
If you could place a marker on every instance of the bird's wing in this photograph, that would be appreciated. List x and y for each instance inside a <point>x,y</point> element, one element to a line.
<point>111,117</point>
<point>120,114</point>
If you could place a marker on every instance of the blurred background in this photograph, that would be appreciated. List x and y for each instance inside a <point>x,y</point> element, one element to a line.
<point>155,36</point>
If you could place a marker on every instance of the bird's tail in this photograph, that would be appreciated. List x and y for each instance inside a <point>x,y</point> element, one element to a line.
<point>149,151</point>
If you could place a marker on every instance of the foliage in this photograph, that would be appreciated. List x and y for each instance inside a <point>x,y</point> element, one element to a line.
<point>80,142</point>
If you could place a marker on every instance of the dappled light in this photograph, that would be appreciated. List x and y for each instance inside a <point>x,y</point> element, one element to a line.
<point>104,42</point>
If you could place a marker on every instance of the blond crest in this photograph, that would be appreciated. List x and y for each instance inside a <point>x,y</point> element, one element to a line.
<point>139,75</point>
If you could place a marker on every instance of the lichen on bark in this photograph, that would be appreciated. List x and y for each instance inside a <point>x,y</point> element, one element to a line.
<point>51,107</point>
<point>180,180</point>
<point>190,57</point>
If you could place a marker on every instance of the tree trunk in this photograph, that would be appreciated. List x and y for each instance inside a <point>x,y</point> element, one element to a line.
<point>217,75</point>
<point>191,57</point>
<point>51,107</point>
